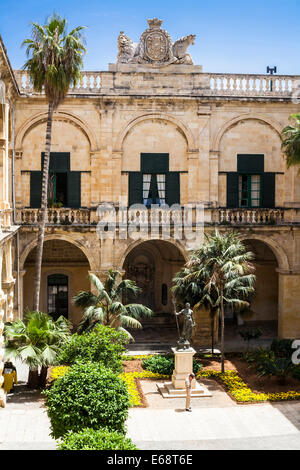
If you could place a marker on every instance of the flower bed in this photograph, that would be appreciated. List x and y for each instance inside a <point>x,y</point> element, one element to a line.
<point>239,390</point>
<point>234,384</point>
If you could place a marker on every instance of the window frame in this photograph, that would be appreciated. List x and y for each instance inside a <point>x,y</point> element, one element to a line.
<point>249,190</point>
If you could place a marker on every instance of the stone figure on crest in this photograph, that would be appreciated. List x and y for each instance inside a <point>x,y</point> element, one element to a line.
<point>155,47</point>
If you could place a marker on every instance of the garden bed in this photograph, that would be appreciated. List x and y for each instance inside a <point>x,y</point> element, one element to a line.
<point>240,381</point>
<point>250,377</point>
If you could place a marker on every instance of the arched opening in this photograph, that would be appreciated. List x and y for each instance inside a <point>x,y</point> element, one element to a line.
<point>263,310</point>
<point>65,271</point>
<point>152,265</point>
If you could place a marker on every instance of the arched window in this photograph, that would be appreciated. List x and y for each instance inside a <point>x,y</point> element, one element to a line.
<point>164,294</point>
<point>58,295</point>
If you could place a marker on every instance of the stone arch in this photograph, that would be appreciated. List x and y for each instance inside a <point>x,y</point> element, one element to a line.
<point>61,255</point>
<point>57,116</point>
<point>183,251</point>
<point>275,125</point>
<point>281,256</point>
<point>191,145</point>
<point>152,264</point>
<point>64,237</point>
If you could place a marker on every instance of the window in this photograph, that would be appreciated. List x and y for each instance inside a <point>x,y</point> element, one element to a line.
<point>64,187</point>
<point>164,294</point>
<point>58,295</point>
<point>250,186</point>
<point>58,189</point>
<point>249,191</point>
<point>154,189</point>
<point>154,184</point>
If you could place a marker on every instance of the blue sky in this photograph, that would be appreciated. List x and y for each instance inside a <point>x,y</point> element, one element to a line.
<point>231,36</point>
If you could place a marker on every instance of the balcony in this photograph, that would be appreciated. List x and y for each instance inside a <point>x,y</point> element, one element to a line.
<point>203,84</point>
<point>61,216</point>
<point>212,216</point>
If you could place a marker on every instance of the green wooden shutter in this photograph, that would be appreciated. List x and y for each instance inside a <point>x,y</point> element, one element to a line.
<point>35,189</point>
<point>154,163</point>
<point>268,190</point>
<point>135,188</point>
<point>172,188</point>
<point>232,190</point>
<point>59,162</point>
<point>250,163</point>
<point>74,189</point>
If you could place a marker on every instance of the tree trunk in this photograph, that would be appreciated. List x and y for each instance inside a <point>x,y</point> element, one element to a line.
<point>33,379</point>
<point>44,206</point>
<point>212,332</point>
<point>222,335</point>
<point>43,376</point>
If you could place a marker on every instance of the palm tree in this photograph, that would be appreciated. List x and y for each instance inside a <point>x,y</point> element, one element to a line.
<point>106,305</point>
<point>222,271</point>
<point>291,141</point>
<point>55,60</point>
<point>36,341</point>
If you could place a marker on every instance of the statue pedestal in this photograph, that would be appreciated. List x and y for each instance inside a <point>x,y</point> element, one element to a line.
<point>183,367</point>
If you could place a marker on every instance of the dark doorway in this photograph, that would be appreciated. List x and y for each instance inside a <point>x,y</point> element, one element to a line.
<point>58,295</point>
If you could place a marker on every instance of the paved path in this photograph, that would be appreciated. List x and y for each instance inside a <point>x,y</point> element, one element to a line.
<point>215,423</point>
<point>242,427</point>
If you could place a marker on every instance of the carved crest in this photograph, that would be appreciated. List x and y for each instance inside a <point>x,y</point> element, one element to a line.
<point>155,47</point>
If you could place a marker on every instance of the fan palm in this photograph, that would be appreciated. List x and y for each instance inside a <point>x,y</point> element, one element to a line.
<point>106,307</point>
<point>291,141</point>
<point>55,59</point>
<point>219,274</point>
<point>36,341</point>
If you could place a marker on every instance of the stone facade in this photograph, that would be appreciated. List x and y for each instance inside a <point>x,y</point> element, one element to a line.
<point>8,96</point>
<point>202,121</point>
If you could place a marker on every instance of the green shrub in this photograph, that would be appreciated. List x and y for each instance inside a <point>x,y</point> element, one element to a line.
<point>282,347</point>
<point>104,345</point>
<point>280,367</point>
<point>296,372</point>
<point>165,365</point>
<point>100,439</point>
<point>87,396</point>
<point>258,356</point>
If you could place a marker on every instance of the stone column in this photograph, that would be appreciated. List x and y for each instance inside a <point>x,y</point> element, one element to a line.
<point>95,178</point>
<point>289,305</point>
<point>213,176</point>
<point>2,319</point>
<point>2,313</point>
<point>202,335</point>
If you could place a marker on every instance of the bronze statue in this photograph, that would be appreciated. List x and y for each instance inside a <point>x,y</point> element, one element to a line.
<point>188,326</point>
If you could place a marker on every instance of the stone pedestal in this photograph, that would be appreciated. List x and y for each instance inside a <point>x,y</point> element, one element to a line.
<point>183,367</point>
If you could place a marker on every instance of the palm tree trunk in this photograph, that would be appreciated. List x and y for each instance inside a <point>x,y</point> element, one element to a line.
<point>222,335</point>
<point>43,376</point>
<point>33,379</point>
<point>212,332</point>
<point>44,206</point>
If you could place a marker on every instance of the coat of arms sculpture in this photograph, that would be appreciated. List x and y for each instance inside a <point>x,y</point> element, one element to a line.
<point>155,47</point>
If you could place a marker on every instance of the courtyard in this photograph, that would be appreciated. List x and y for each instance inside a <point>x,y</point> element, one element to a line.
<point>216,422</point>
